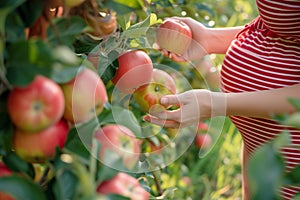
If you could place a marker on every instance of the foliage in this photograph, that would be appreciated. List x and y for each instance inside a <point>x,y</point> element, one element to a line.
<point>181,171</point>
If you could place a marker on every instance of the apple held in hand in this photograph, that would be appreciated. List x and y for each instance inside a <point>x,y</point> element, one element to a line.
<point>135,69</point>
<point>36,106</point>
<point>125,185</point>
<point>174,36</point>
<point>148,97</point>
<point>39,146</point>
<point>118,141</point>
<point>85,96</point>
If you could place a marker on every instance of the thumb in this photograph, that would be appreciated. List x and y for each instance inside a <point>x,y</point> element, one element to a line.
<point>170,100</point>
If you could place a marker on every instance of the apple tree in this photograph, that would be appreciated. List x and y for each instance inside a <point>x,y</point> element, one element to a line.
<point>77,79</point>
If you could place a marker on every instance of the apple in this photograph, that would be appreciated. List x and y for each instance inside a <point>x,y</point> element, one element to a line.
<point>203,141</point>
<point>186,181</point>
<point>119,142</point>
<point>38,147</point>
<point>5,171</point>
<point>103,24</point>
<point>125,185</point>
<point>148,96</point>
<point>85,96</point>
<point>174,36</point>
<point>36,106</point>
<point>135,69</point>
<point>202,127</point>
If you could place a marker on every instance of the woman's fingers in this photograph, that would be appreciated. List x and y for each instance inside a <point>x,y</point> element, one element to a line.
<point>161,122</point>
<point>170,100</point>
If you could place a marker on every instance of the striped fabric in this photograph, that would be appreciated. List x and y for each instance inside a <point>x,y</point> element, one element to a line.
<point>266,55</point>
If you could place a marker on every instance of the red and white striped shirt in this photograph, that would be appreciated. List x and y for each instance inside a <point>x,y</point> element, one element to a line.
<point>266,55</point>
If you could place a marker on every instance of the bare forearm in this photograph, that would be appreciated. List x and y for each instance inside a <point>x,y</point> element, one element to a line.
<point>219,39</point>
<point>262,103</point>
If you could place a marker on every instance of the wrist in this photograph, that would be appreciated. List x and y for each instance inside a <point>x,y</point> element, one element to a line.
<point>218,104</point>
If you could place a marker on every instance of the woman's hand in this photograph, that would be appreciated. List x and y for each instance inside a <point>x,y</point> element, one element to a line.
<point>194,106</point>
<point>205,41</point>
<point>196,49</point>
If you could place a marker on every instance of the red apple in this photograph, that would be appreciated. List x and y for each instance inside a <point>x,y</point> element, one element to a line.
<point>202,127</point>
<point>118,141</point>
<point>135,69</point>
<point>125,185</point>
<point>174,36</point>
<point>148,97</point>
<point>203,141</point>
<point>36,106</point>
<point>85,96</point>
<point>5,171</point>
<point>39,146</point>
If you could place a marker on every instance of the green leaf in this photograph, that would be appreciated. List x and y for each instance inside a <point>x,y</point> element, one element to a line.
<point>66,184</point>
<point>266,169</point>
<point>292,178</point>
<point>124,21</point>
<point>293,120</point>
<point>67,65</point>
<point>121,8</point>
<point>84,44</point>
<point>126,118</point>
<point>139,29</point>
<point>14,28</point>
<point>21,188</point>
<point>64,75</point>
<point>116,197</point>
<point>106,173</point>
<point>75,145</point>
<point>30,11</point>
<point>15,163</point>
<point>122,116</point>
<point>295,102</point>
<point>26,59</point>
<point>65,30</point>
<point>6,127</point>
<point>107,67</point>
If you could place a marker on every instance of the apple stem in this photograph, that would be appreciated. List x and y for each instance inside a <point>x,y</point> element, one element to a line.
<point>44,177</point>
<point>157,183</point>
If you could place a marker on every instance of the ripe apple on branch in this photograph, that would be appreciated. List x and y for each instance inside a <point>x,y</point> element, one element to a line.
<point>134,70</point>
<point>125,185</point>
<point>148,96</point>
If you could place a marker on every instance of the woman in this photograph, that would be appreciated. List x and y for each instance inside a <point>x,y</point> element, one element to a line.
<point>260,71</point>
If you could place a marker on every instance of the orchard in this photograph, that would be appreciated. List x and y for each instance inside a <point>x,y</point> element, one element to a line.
<point>77,78</point>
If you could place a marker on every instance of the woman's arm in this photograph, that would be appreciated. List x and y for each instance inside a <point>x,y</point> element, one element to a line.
<point>262,104</point>
<point>197,105</point>
<point>205,40</point>
<point>219,39</point>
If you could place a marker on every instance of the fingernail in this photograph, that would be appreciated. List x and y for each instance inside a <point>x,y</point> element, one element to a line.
<point>163,100</point>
